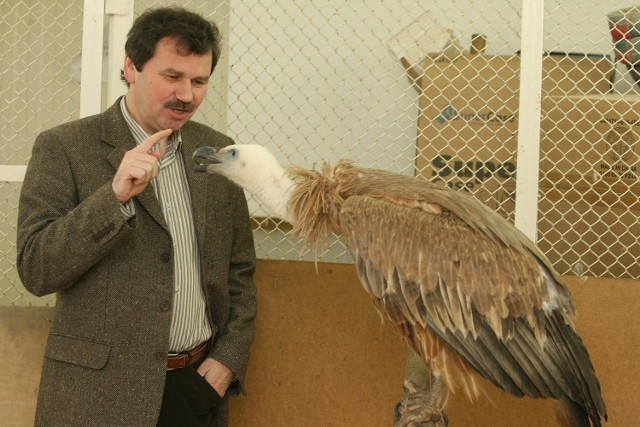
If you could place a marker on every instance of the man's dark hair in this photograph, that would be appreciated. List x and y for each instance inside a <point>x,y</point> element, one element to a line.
<point>192,33</point>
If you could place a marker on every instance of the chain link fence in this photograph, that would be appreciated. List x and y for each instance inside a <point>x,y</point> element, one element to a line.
<point>429,89</point>
<point>39,45</point>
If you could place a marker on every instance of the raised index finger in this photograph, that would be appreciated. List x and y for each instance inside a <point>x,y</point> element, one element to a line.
<point>146,145</point>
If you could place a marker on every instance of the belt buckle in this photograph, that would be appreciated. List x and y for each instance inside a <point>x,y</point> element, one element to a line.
<point>184,358</point>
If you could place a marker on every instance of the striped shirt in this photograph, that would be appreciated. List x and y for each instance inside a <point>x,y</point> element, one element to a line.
<point>189,324</point>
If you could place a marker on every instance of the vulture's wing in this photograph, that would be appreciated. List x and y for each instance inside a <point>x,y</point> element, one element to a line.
<point>447,286</point>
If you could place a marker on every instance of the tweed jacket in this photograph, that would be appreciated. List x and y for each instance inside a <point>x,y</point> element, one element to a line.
<point>105,357</point>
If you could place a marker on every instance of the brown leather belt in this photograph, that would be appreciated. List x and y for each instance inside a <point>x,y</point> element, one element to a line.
<point>187,358</point>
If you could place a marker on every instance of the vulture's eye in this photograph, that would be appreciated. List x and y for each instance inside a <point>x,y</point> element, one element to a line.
<point>233,153</point>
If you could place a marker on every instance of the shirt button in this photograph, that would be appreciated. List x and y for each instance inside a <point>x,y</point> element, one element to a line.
<point>165,257</point>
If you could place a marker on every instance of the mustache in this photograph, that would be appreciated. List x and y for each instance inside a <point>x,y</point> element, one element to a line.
<point>179,105</point>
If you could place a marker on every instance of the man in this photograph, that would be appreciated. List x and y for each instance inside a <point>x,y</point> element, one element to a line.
<point>152,264</point>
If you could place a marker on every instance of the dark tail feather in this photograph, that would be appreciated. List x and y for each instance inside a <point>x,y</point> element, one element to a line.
<point>570,414</point>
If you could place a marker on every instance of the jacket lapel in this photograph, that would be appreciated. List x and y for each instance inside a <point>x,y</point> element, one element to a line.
<point>197,182</point>
<point>115,132</point>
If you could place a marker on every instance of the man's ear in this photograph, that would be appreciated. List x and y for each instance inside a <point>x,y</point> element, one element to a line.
<point>129,70</point>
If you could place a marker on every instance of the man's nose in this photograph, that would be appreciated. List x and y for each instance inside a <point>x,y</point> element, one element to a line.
<point>184,91</point>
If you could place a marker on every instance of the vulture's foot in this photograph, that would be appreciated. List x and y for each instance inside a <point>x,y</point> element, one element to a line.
<point>420,407</point>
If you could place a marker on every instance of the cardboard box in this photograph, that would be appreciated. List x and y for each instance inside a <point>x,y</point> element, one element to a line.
<point>562,74</point>
<point>581,233</point>
<point>591,140</point>
<point>582,238</point>
<point>468,123</point>
<point>588,220</point>
<point>589,210</point>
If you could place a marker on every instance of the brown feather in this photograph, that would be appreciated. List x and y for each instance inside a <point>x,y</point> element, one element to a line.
<point>316,203</point>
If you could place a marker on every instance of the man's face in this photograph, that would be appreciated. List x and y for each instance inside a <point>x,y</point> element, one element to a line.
<point>169,89</point>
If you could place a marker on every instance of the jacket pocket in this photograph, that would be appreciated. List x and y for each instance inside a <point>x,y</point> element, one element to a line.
<point>77,351</point>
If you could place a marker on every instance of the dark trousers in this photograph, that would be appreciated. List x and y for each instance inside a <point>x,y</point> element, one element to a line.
<point>189,401</point>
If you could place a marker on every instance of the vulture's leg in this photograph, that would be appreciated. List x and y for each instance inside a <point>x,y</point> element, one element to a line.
<point>420,405</point>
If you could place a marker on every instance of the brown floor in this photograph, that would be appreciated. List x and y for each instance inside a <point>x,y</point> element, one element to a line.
<point>323,358</point>
<point>22,336</point>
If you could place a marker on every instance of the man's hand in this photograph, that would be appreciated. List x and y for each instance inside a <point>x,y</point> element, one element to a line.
<point>216,374</point>
<point>139,166</point>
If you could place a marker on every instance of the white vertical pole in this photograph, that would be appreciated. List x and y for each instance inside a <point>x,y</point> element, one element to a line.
<point>12,173</point>
<point>91,65</point>
<point>526,214</point>
<point>120,20</point>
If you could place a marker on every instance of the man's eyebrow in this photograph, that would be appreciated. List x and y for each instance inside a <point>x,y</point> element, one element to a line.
<point>173,71</point>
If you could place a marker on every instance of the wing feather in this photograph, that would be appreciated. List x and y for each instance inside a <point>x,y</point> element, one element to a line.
<point>455,293</point>
<point>384,235</point>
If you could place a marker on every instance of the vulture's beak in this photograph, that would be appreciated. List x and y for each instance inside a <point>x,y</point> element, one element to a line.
<point>204,156</point>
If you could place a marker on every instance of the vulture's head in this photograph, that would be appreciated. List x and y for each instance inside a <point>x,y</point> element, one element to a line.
<point>252,167</point>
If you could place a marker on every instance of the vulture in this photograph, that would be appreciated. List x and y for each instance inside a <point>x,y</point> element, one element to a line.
<point>465,289</point>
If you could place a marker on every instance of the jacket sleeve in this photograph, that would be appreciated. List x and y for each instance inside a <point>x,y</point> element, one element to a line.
<point>60,236</point>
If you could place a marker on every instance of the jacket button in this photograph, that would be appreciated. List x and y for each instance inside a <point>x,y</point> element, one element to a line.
<point>165,257</point>
<point>160,355</point>
<point>165,305</point>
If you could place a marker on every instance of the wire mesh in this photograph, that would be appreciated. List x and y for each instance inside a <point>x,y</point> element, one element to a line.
<point>421,88</point>
<point>589,152</point>
<point>39,47</point>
